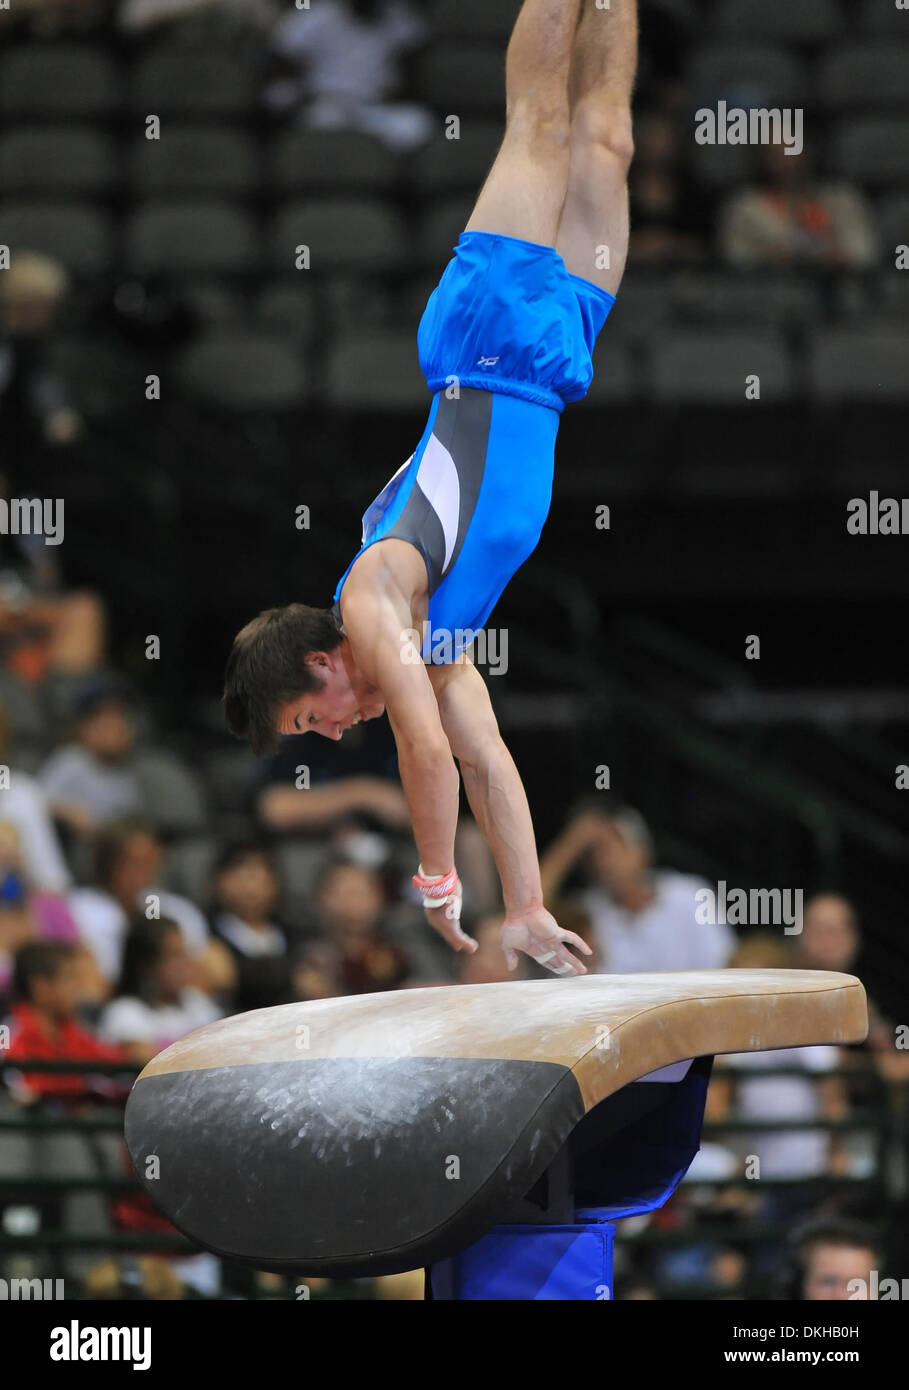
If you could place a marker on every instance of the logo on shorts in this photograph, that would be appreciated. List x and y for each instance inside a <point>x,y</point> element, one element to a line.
<point>487,361</point>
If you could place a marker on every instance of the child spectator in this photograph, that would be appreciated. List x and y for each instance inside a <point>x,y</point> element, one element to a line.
<point>43,1024</point>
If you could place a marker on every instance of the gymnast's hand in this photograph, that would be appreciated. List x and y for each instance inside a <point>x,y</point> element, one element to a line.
<point>445,916</point>
<point>539,935</point>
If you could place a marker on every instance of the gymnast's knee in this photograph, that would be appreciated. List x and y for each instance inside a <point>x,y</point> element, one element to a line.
<point>601,136</point>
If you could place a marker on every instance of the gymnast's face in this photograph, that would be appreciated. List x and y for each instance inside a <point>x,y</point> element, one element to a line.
<point>343,700</point>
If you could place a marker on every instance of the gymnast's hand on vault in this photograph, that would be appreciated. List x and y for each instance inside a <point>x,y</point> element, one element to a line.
<point>446,920</point>
<point>540,936</point>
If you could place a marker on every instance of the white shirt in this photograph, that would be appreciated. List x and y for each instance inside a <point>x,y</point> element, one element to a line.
<point>664,935</point>
<point>73,773</point>
<point>345,57</point>
<point>102,924</point>
<point>248,940</point>
<point>24,805</point>
<point>133,1020</point>
<point>799,1153</point>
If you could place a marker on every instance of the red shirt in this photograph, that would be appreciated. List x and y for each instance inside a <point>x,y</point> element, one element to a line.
<point>72,1043</point>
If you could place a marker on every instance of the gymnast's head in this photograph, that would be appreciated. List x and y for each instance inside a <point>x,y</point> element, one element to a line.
<point>291,671</point>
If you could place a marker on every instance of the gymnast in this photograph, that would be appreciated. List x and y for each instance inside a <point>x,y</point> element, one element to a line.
<point>505,342</point>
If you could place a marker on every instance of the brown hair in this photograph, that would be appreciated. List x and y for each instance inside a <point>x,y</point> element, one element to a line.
<point>266,668</point>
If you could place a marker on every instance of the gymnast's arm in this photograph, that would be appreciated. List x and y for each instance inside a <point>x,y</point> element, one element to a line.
<point>491,780</point>
<point>499,803</point>
<point>376,621</point>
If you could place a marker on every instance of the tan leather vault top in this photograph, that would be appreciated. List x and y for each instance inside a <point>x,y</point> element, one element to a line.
<point>609,1029</point>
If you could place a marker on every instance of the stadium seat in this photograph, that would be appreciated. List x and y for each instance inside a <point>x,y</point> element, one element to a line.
<point>298,863</point>
<point>58,159</point>
<point>376,369</point>
<point>873,75</point>
<point>643,305</point>
<point>893,222</point>
<point>77,234</point>
<point>893,295</point>
<point>615,376</point>
<point>172,237</point>
<point>300,161</point>
<point>172,797</point>
<point>710,367</point>
<point>859,364</point>
<point>189,867</point>
<point>444,164</point>
<point>288,306</point>
<point>231,772</point>
<point>189,81</point>
<point>766,300</point>
<point>241,369</point>
<point>878,18</point>
<point>723,167</point>
<point>804,21</point>
<point>746,75</point>
<point>355,234</point>
<point>196,159</point>
<point>440,227</point>
<point>871,149</point>
<point>58,80</point>
<point>473,19</point>
<point>460,78</point>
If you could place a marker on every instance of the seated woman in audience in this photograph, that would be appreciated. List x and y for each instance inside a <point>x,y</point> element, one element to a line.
<point>350,903</point>
<point>245,894</point>
<point>155,1002</point>
<point>129,863</point>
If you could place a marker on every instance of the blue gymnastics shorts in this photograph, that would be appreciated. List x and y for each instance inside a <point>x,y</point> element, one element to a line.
<point>508,316</point>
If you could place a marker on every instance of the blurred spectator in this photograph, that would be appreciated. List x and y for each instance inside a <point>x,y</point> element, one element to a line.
<point>245,897</point>
<point>350,902</point>
<point>87,780</point>
<point>205,20</point>
<point>155,1002</point>
<point>43,1024</point>
<point>643,918</point>
<point>128,863</point>
<point>794,220</point>
<point>829,939</point>
<point>487,965</point>
<point>44,630</point>
<point>34,397</point>
<point>29,913</point>
<point>807,1094</point>
<point>23,804</point>
<point>671,218</point>
<point>352,788</point>
<point>316,973</point>
<point>50,19</point>
<point>146,1277</point>
<point>824,1256</point>
<point>344,57</point>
